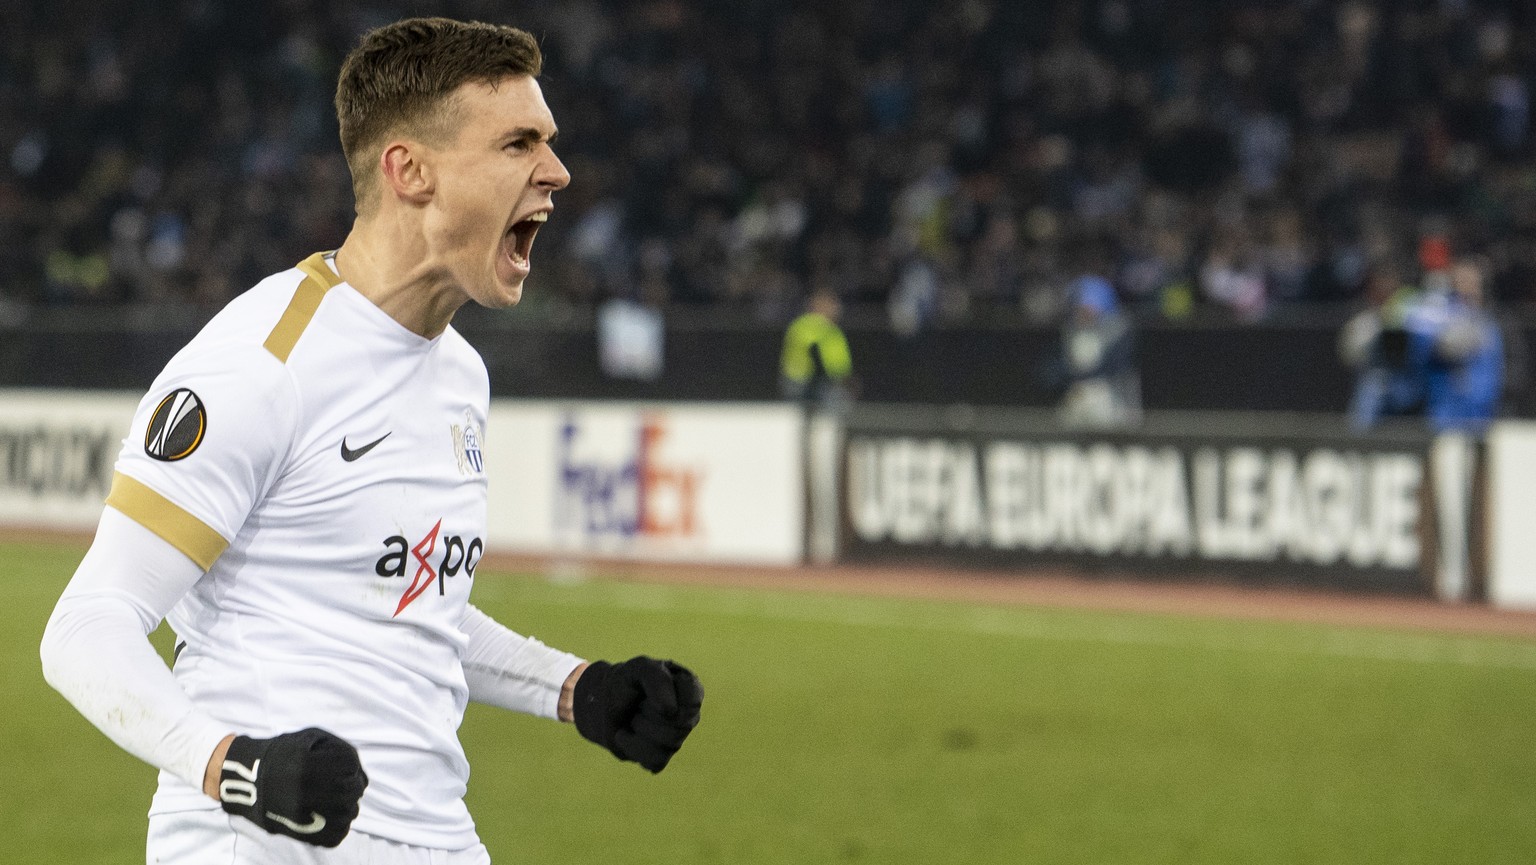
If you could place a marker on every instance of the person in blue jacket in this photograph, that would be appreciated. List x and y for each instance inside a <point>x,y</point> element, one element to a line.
<point>1463,356</point>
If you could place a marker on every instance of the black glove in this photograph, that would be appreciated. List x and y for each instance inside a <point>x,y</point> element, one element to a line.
<point>304,785</point>
<point>641,710</point>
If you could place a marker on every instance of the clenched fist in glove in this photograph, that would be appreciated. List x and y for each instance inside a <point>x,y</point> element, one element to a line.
<point>304,785</point>
<point>641,709</point>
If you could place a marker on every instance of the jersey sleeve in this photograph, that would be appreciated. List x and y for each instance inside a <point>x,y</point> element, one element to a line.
<point>506,669</point>
<point>206,443</point>
<point>94,650</point>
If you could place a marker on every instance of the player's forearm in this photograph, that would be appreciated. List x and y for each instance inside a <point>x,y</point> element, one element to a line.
<point>95,654</point>
<point>506,669</point>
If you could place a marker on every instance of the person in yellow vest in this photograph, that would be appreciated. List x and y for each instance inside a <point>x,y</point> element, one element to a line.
<point>816,367</point>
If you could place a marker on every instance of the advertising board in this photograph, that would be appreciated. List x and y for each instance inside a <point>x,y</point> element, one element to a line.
<point>57,449</point>
<point>719,483</point>
<point>1338,510</point>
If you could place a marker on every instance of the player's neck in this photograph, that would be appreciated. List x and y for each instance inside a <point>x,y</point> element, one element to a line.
<point>396,273</point>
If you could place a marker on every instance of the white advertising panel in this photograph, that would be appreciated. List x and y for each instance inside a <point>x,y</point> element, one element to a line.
<point>678,482</point>
<point>1512,514</point>
<point>57,449</point>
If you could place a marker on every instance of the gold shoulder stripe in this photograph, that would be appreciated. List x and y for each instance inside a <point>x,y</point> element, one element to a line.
<point>318,279</point>
<point>160,515</point>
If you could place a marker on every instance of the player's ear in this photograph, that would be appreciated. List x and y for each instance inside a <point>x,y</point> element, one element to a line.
<point>407,173</point>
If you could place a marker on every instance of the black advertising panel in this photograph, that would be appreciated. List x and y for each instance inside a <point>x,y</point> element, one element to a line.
<point>1328,509</point>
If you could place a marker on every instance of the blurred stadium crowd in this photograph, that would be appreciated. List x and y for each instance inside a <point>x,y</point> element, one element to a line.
<point>949,159</point>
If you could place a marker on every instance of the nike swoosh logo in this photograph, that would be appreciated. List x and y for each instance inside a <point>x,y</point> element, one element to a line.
<point>315,824</point>
<point>349,454</point>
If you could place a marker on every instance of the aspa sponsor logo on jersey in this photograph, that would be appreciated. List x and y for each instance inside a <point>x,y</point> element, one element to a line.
<point>623,486</point>
<point>433,559</point>
<point>177,426</point>
<point>1319,505</point>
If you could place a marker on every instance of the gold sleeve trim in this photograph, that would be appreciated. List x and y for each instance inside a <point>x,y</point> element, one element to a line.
<point>318,279</point>
<point>160,515</point>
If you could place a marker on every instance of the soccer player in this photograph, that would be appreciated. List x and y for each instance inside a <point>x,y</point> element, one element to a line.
<point>303,492</point>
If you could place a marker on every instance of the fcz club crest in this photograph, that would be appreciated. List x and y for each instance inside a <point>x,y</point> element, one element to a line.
<point>466,445</point>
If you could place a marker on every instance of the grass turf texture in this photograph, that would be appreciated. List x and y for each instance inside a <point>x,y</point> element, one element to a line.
<point>840,729</point>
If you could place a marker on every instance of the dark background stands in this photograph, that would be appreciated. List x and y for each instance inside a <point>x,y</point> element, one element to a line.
<point>933,163</point>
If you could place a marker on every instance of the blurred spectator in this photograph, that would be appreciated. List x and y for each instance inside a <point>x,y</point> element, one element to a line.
<point>1098,360</point>
<point>1232,276</point>
<point>631,340</point>
<point>934,157</point>
<point>1374,343</point>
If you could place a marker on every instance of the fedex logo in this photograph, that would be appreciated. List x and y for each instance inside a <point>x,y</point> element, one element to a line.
<point>619,483</point>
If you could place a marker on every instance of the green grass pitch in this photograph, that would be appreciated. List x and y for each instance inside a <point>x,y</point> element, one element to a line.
<point>844,730</point>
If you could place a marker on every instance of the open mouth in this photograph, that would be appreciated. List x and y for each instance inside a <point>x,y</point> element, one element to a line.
<point>521,236</point>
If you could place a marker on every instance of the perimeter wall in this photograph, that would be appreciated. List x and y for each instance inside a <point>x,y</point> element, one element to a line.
<point>1282,364</point>
<point>1264,498</point>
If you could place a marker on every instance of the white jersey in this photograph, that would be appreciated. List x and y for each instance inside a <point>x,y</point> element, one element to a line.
<point>323,463</point>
